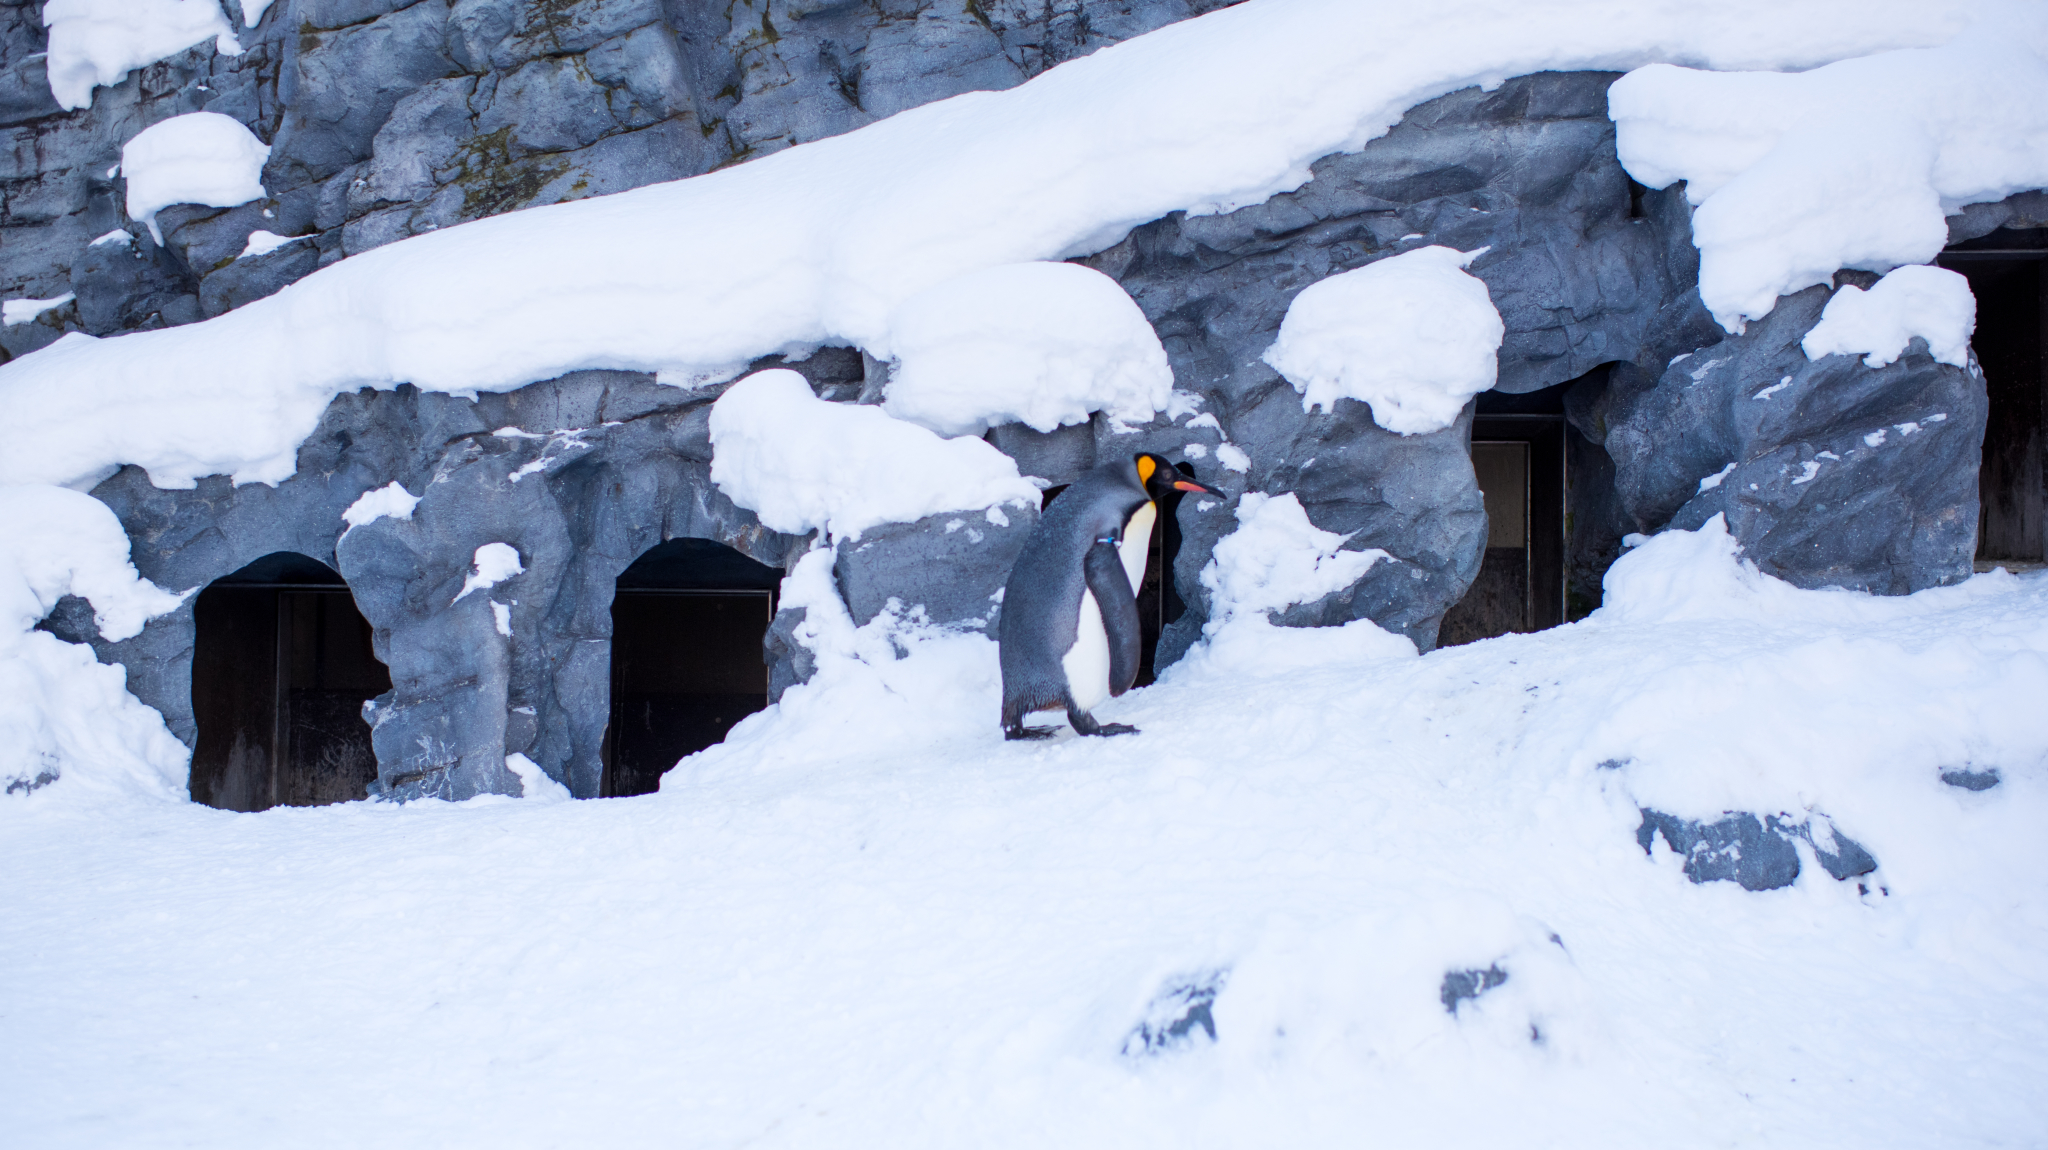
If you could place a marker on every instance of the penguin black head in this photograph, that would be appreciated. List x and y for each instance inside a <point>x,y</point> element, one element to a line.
<point>1162,477</point>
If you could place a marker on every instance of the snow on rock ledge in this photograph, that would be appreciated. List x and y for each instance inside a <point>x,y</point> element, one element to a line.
<point>1413,335</point>
<point>97,42</point>
<point>62,712</point>
<point>1042,344</point>
<point>1852,165</point>
<point>197,158</point>
<point>803,464</point>
<point>1205,115</point>
<point>1932,303</point>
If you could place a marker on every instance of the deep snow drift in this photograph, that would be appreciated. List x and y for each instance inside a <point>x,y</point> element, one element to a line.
<point>867,921</point>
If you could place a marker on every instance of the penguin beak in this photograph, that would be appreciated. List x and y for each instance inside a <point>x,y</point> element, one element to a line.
<point>1186,484</point>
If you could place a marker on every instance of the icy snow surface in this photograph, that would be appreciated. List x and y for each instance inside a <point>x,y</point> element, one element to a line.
<point>197,158</point>
<point>1413,335</point>
<point>1932,303</point>
<point>868,921</point>
<point>1042,344</point>
<point>1203,115</point>
<point>804,464</point>
<point>96,42</point>
<point>1849,165</point>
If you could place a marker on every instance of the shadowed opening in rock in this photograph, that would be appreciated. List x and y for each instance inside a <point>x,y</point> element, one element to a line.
<point>1518,457</point>
<point>688,620</point>
<point>1159,601</point>
<point>2005,271</point>
<point>281,668</point>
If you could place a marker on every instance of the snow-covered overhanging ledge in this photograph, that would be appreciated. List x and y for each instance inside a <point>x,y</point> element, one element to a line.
<point>820,243</point>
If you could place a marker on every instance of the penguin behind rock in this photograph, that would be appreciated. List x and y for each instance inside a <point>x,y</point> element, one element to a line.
<point>1069,628</point>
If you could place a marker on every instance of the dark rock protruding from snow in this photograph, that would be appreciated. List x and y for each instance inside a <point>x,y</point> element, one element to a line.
<point>1830,473</point>
<point>1971,778</point>
<point>1177,1015</point>
<point>1461,986</point>
<point>1757,852</point>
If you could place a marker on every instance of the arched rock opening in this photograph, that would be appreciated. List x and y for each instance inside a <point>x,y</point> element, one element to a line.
<point>688,621</point>
<point>2006,270</point>
<point>281,668</point>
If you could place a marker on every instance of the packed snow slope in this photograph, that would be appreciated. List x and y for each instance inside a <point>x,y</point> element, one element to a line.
<point>868,921</point>
<point>821,243</point>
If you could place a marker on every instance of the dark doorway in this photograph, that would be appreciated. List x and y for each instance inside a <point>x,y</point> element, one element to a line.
<point>281,668</point>
<point>1518,459</point>
<point>2005,271</point>
<point>688,620</point>
<point>1159,602</point>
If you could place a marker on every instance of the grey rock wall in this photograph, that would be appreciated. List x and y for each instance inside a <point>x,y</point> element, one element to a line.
<point>391,117</point>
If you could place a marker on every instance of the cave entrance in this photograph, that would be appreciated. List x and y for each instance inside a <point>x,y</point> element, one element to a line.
<point>1159,602</point>
<point>281,668</point>
<point>2005,270</point>
<point>688,621</point>
<point>1518,459</point>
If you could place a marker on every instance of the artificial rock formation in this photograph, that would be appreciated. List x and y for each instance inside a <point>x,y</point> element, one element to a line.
<point>391,118</point>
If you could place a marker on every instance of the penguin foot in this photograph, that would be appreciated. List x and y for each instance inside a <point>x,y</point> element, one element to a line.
<point>1112,729</point>
<point>1021,732</point>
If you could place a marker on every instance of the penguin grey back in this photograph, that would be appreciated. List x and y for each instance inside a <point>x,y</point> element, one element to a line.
<point>1042,599</point>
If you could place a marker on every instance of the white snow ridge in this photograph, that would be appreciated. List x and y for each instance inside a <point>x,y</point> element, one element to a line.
<point>1413,335</point>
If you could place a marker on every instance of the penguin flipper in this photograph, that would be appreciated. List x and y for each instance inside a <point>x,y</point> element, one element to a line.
<point>1103,568</point>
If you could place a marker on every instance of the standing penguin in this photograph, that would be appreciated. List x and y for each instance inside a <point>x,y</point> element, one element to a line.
<point>1069,628</point>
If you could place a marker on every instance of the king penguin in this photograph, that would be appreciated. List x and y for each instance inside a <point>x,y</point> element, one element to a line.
<point>1069,628</point>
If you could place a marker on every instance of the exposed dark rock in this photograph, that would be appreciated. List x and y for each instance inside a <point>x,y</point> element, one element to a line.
<point>1830,473</point>
<point>953,565</point>
<point>1461,986</point>
<point>1971,778</point>
<point>1755,852</point>
<point>1175,1015</point>
<point>71,620</point>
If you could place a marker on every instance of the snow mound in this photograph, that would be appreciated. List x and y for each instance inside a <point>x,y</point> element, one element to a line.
<point>65,714</point>
<point>97,42</point>
<point>1413,335</point>
<point>390,501</point>
<point>1932,303</point>
<point>1204,115</point>
<point>1042,344</point>
<point>804,464</point>
<point>891,686</point>
<point>495,563</point>
<point>1796,175</point>
<point>197,158</point>
<point>1277,558</point>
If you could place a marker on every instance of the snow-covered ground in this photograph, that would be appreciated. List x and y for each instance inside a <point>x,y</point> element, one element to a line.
<point>919,935</point>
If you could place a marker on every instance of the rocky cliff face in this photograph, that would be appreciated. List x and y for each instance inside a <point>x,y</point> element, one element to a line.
<point>390,119</point>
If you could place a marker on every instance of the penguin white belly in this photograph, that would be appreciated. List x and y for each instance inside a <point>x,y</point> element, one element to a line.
<point>1137,543</point>
<point>1087,661</point>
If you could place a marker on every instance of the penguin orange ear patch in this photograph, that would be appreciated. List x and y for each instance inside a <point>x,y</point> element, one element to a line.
<point>1145,468</point>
